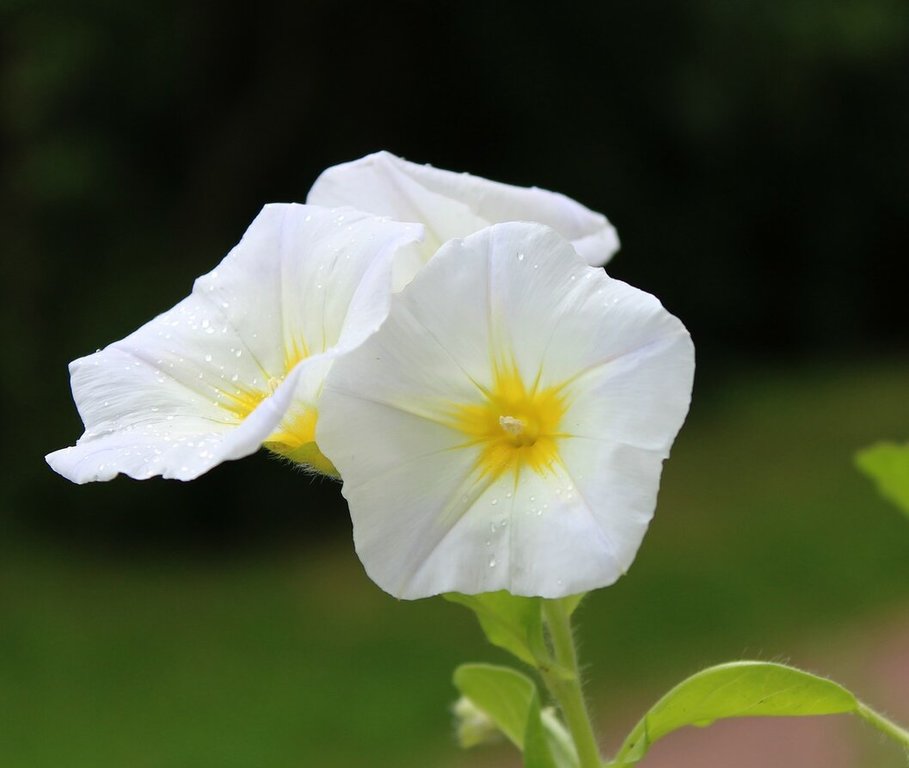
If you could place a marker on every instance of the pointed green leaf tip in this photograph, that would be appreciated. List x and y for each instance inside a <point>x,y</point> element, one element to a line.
<point>887,464</point>
<point>509,622</point>
<point>739,689</point>
<point>511,701</point>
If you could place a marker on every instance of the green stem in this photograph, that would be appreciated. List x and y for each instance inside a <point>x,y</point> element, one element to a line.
<point>564,684</point>
<point>884,725</point>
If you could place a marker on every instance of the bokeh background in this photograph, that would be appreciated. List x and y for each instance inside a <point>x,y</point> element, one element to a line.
<point>754,158</point>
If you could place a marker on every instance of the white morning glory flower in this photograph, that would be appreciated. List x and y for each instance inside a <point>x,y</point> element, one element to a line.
<point>506,426</point>
<point>454,205</point>
<point>241,361</point>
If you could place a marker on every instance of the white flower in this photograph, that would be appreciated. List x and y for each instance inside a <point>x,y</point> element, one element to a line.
<point>454,205</point>
<point>505,428</point>
<point>241,361</point>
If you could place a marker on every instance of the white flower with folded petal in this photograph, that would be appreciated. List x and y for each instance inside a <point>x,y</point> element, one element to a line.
<point>506,426</point>
<point>241,361</point>
<point>454,205</point>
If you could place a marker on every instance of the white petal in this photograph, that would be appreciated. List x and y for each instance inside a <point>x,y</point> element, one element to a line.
<point>512,296</point>
<point>202,383</point>
<point>628,361</point>
<point>458,204</point>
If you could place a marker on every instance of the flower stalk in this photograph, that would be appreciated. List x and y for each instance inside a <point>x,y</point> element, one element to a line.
<point>565,684</point>
<point>884,725</point>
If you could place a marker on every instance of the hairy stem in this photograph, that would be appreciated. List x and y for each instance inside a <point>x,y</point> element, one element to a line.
<point>884,725</point>
<point>564,684</point>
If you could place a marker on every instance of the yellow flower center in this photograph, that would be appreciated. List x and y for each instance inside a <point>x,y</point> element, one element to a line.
<point>295,437</point>
<point>516,426</point>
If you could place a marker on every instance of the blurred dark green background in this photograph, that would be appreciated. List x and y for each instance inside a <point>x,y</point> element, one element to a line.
<point>754,158</point>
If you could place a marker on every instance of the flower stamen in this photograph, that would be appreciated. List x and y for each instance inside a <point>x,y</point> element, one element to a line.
<point>513,426</point>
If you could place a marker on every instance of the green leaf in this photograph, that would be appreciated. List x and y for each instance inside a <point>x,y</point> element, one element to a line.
<point>739,689</point>
<point>502,693</point>
<point>511,701</point>
<point>887,464</point>
<point>509,622</point>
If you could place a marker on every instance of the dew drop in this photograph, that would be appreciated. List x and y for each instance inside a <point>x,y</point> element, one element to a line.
<point>208,358</point>
<point>520,257</point>
<point>238,353</point>
<point>494,502</point>
<point>492,562</point>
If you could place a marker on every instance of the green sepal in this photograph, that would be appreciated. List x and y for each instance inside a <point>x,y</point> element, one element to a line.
<point>512,702</point>
<point>739,689</point>
<point>572,602</point>
<point>509,622</point>
<point>887,464</point>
